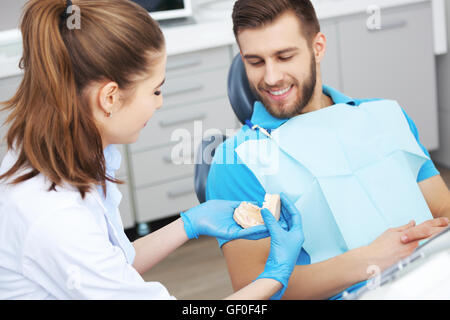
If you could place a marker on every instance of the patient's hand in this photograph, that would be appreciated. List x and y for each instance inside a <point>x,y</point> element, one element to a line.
<point>388,248</point>
<point>397,243</point>
<point>425,230</point>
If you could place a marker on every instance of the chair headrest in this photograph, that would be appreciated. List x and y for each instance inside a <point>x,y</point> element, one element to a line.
<point>239,93</point>
<point>205,154</point>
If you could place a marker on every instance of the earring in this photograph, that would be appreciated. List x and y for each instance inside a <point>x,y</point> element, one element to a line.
<point>109,114</point>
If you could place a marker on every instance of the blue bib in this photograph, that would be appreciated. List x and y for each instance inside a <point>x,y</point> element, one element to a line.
<point>351,172</point>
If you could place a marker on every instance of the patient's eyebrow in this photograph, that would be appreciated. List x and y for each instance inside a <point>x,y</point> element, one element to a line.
<point>287,50</point>
<point>251,56</point>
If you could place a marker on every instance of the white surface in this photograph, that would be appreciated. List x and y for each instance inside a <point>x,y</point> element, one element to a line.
<point>429,281</point>
<point>334,8</point>
<point>215,27</point>
<point>439,27</point>
<point>211,10</point>
<point>199,36</point>
<point>10,53</point>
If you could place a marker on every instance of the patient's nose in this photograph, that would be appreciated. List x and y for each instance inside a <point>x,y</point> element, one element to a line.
<point>273,75</point>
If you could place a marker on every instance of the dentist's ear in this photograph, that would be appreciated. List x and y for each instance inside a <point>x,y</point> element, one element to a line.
<point>103,98</point>
<point>319,46</point>
<point>108,97</point>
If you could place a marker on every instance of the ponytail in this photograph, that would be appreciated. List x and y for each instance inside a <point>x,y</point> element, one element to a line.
<point>52,124</point>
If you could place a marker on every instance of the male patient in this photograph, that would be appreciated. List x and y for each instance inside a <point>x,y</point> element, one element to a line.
<point>281,46</point>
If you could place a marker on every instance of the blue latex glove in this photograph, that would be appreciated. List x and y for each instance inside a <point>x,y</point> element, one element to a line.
<point>285,245</point>
<point>214,218</point>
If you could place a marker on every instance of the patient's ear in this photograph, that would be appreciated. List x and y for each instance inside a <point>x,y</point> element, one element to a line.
<point>319,47</point>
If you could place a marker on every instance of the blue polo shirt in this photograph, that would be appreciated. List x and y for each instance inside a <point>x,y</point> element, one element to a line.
<point>230,179</point>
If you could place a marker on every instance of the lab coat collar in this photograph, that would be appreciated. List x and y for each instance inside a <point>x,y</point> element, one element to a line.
<point>264,119</point>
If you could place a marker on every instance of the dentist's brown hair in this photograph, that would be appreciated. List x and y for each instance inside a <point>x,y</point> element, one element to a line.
<point>52,126</point>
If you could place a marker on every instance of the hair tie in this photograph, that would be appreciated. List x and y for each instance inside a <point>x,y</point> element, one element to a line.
<point>65,15</point>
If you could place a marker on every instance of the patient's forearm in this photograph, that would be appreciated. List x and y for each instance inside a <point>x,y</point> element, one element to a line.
<point>446,212</point>
<point>246,260</point>
<point>444,208</point>
<point>326,279</point>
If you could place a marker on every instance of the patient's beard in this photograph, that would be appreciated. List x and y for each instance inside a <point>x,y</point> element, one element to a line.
<point>306,93</point>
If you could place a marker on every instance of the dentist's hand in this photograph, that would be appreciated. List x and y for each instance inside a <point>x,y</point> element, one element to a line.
<point>214,218</point>
<point>285,245</point>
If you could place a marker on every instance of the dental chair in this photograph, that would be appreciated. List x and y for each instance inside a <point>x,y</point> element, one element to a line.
<point>203,163</point>
<point>241,99</point>
<point>239,93</point>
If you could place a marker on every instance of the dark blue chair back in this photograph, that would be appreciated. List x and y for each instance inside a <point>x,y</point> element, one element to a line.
<point>204,157</point>
<point>241,99</point>
<point>240,95</point>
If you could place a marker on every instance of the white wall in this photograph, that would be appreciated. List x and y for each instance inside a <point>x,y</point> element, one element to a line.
<point>442,156</point>
<point>10,11</point>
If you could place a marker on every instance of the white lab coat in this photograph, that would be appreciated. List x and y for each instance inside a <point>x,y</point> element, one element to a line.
<point>55,245</point>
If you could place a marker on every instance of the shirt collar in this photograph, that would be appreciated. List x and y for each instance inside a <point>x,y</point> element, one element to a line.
<point>264,119</point>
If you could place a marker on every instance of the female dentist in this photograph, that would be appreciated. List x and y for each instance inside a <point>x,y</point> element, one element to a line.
<point>83,90</point>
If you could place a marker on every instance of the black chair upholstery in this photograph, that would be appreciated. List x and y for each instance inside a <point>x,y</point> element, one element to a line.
<point>204,157</point>
<point>240,95</point>
<point>241,99</point>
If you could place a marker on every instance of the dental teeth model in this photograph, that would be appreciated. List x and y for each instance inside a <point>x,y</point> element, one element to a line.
<point>249,215</point>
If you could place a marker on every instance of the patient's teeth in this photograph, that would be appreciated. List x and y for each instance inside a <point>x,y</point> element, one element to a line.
<point>280,92</point>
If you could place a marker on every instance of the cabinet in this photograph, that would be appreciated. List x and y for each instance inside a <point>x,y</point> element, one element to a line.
<point>442,156</point>
<point>126,206</point>
<point>10,11</point>
<point>330,65</point>
<point>396,62</point>
<point>8,87</point>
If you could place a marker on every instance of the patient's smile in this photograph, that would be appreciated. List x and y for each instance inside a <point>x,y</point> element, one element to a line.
<point>280,94</point>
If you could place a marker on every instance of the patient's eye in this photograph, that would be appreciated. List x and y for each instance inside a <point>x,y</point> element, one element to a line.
<point>285,58</point>
<point>255,62</point>
<point>158,93</point>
